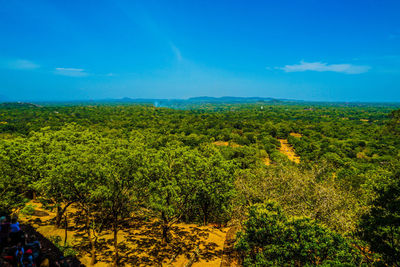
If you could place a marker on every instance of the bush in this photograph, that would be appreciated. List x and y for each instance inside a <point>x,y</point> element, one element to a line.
<point>269,238</point>
<point>28,210</point>
<point>381,226</point>
<point>67,250</point>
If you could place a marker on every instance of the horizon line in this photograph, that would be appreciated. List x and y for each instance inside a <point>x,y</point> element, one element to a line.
<point>143,99</point>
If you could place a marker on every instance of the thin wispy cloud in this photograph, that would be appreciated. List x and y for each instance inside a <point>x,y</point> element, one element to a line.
<point>22,64</point>
<point>176,51</point>
<point>323,67</point>
<point>71,72</point>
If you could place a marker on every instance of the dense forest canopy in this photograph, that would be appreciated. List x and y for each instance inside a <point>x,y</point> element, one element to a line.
<point>216,163</point>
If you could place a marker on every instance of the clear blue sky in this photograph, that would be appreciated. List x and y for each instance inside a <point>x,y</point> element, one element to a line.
<point>305,49</point>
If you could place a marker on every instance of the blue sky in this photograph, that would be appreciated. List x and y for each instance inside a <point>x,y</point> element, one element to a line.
<point>312,50</point>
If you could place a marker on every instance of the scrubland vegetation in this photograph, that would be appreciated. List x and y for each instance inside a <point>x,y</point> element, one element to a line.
<point>334,200</point>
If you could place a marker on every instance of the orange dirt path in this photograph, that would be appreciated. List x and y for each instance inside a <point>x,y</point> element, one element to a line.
<point>288,150</point>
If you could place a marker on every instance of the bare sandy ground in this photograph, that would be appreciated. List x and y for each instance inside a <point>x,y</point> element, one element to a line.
<point>224,143</point>
<point>288,150</point>
<point>140,241</point>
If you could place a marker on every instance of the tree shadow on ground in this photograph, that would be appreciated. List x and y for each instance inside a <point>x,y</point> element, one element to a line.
<point>141,244</point>
<point>144,245</point>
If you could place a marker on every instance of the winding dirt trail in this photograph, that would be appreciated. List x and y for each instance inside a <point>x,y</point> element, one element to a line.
<point>288,150</point>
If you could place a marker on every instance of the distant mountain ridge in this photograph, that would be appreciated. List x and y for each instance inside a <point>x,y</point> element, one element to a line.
<point>182,103</point>
<point>158,101</point>
<point>197,98</point>
<point>234,99</point>
<point>18,105</point>
<point>189,102</point>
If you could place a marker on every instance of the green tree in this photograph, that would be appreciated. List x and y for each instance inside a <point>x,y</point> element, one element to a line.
<point>72,174</point>
<point>116,193</point>
<point>13,175</point>
<point>215,188</point>
<point>269,238</point>
<point>48,149</point>
<point>300,192</point>
<point>381,226</point>
<point>172,183</point>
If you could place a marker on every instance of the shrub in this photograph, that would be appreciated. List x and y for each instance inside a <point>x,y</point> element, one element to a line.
<point>67,249</point>
<point>28,210</point>
<point>269,238</point>
<point>381,226</point>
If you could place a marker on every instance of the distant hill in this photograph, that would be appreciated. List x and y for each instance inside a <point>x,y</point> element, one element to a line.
<point>176,103</point>
<point>18,105</point>
<point>187,103</point>
<point>200,99</point>
<point>231,99</point>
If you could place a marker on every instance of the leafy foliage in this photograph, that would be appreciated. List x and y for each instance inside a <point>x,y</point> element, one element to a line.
<point>13,176</point>
<point>270,238</point>
<point>381,226</point>
<point>66,249</point>
<point>300,192</point>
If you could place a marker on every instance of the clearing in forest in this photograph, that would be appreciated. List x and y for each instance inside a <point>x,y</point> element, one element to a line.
<point>266,161</point>
<point>139,243</point>
<point>288,150</point>
<point>296,135</point>
<point>225,143</point>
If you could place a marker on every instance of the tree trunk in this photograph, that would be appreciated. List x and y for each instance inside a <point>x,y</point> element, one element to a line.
<point>58,216</point>
<point>60,213</point>
<point>66,229</point>
<point>91,241</point>
<point>205,214</point>
<point>115,229</point>
<point>165,229</point>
